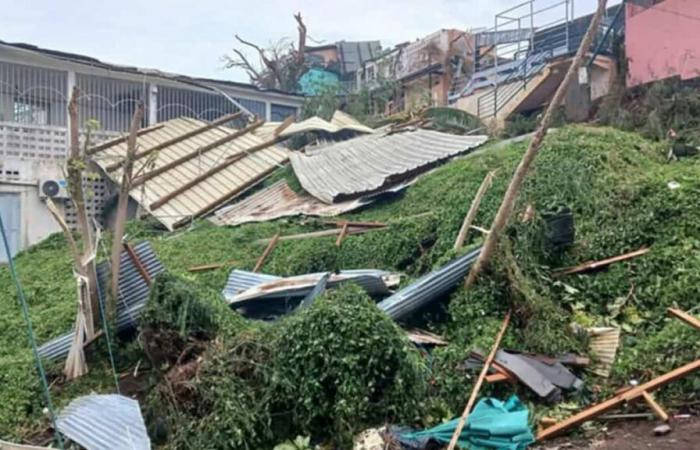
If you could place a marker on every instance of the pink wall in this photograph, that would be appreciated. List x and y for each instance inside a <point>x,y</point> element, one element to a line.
<point>663,41</point>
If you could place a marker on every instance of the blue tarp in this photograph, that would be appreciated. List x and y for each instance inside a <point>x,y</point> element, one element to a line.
<point>493,424</point>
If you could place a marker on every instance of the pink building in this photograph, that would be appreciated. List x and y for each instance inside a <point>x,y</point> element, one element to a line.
<point>662,40</point>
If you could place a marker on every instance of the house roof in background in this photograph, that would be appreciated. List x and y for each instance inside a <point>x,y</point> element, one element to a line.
<point>189,167</point>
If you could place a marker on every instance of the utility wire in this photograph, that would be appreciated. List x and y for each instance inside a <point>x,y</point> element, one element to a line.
<point>30,334</point>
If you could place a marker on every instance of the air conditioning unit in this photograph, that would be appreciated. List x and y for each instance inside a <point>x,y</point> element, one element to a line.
<point>52,188</point>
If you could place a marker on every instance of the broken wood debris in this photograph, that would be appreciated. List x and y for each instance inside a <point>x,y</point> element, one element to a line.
<point>479,382</point>
<point>322,233</point>
<point>343,232</point>
<point>473,209</point>
<point>592,265</point>
<point>618,400</point>
<point>685,317</point>
<point>270,246</point>
<point>212,266</point>
<point>422,337</point>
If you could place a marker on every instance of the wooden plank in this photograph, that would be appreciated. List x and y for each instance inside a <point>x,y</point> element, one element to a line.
<point>591,265</point>
<point>5,445</point>
<point>658,410</point>
<point>341,236</point>
<point>473,209</point>
<point>479,382</point>
<point>137,262</point>
<point>618,400</point>
<point>497,378</point>
<point>212,171</point>
<point>112,142</point>
<point>212,266</point>
<point>283,126</point>
<point>198,152</point>
<point>341,223</point>
<point>220,121</point>
<point>321,233</point>
<point>266,252</point>
<point>685,317</point>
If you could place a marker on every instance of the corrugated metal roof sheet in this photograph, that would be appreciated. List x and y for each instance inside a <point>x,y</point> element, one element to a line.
<point>603,345</point>
<point>428,288</point>
<point>244,287</point>
<point>133,294</point>
<point>339,122</point>
<point>279,200</point>
<point>104,422</point>
<point>193,176</point>
<point>369,163</point>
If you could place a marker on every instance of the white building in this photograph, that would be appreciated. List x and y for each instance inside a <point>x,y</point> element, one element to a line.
<point>35,86</point>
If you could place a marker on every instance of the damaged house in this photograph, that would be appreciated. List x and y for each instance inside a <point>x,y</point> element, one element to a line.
<point>34,89</point>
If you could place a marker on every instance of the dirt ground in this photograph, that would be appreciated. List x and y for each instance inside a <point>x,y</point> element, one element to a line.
<point>635,435</point>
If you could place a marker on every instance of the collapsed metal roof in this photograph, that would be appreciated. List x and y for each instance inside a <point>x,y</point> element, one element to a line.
<point>279,200</point>
<point>187,167</point>
<point>132,296</point>
<point>339,122</point>
<point>428,288</point>
<point>104,422</point>
<point>369,163</point>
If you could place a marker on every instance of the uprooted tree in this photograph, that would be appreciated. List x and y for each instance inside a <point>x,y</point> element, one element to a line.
<point>279,66</point>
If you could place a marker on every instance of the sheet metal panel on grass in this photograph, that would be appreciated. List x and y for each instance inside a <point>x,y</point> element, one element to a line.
<point>133,294</point>
<point>369,163</point>
<point>104,422</point>
<point>428,288</point>
<point>206,194</point>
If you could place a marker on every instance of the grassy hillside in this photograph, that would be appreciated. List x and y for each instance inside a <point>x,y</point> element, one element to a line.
<point>616,184</point>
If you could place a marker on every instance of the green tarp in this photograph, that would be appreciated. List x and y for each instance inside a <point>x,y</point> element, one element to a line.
<point>492,424</point>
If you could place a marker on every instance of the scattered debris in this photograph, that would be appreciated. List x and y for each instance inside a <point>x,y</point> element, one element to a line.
<point>279,200</point>
<point>425,338</point>
<point>673,185</point>
<point>593,265</point>
<point>371,439</point>
<point>604,342</point>
<point>270,246</point>
<point>662,429</point>
<point>342,171</point>
<point>427,288</point>
<point>104,422</point>
<point>685,317</point>
<point>323,233</point>
<point>618,400</point>
<point>133,294</point>
<point>205,267</point>
<point>473,209</point>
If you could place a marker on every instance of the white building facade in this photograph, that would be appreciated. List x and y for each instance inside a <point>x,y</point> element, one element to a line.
<point>35,86</point>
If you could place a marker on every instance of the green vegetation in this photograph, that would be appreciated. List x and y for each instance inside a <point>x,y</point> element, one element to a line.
<point>617,185</point>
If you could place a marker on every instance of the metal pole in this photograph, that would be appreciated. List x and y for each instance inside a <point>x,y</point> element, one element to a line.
<point>30,334</point>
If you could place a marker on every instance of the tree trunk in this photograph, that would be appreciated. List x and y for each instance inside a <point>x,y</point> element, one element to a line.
<point>508,203</point>
<point>122,206</point>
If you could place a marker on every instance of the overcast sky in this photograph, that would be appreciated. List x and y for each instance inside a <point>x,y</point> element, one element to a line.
<point>190,36</point>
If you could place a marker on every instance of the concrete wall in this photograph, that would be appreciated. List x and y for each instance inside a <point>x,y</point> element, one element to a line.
<point>662,41</point>
<point>37,223</point>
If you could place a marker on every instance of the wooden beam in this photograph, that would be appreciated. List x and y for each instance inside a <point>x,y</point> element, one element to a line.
<point>591,265</point>
<point>497,377</point>
<point>341,223</point>
<point>205,267</point>
<point>685,317</point>
<point>226,197</point>
<point>655,407</point>
<point>479,382</point>
<point>199,152</point>
<point>137,262</point>
<point>322,233</point>
<point>220,121</point>
<point>212,171</point>
<point>473,209</point>
<point>341,236</point>
<point>618,400</point>
<point>112,142</point>
<point>283,126</point>
<point>266,252</point>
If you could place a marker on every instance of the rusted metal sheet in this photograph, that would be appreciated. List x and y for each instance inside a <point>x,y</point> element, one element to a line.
<point>368,164</point>
<point>234,166</point>
<point>279,200</point>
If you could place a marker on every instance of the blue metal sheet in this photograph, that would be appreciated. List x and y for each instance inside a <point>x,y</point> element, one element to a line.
<point>104,422</point>
<point>428,288</point>
<point>133,294</point>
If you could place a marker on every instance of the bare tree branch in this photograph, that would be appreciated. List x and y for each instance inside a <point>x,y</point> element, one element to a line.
<point>301,27</point>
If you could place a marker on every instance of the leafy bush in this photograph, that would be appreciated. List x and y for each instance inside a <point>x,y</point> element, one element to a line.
<point>342,364</point>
